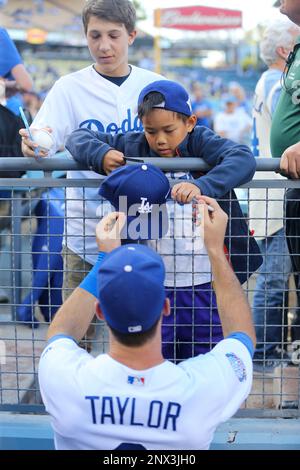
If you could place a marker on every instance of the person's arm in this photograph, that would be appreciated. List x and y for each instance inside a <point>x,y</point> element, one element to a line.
<point>12,63</point>
<point>75,315</point>
<point>56,116</point>
<point>233,306</point>
<point>232,164</point>
<point>22,77</point>
<point>100,152</point>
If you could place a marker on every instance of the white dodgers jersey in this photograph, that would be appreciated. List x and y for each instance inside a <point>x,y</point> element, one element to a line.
<point>86,99</point>
<point>182,249</point>
<point>265,206</point>
<point>99,403</point>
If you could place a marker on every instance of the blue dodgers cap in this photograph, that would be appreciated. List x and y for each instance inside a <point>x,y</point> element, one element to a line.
<point>141,192</point>
<point>131,289</point>
<point>175,96</point>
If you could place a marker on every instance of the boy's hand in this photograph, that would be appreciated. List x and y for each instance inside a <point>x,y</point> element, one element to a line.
<point>185,192</point>
<point>28,146</point>
<point>112,160</point>
<point>212,224</point>
<point>108,231</point>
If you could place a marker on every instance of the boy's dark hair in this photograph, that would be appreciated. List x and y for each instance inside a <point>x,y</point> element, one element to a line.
<point>135,340</point>
<point>153,100</point>
<point>115,11</point>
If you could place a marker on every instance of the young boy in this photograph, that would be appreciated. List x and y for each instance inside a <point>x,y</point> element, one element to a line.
<point>165,111</point>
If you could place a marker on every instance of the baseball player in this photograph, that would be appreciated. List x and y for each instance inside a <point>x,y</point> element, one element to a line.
<point>131,398</point>
<point>101,97</point>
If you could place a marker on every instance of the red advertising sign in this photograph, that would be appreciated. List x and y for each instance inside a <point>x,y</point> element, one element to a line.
<point>197,18</point>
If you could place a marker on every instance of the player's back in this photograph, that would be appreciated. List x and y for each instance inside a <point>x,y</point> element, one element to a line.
<point>102,404</point>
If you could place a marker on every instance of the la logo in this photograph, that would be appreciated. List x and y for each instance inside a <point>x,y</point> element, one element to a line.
<point>145,207</point>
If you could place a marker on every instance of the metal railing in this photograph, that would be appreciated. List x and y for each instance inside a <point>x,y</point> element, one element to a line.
<point>274,394</point>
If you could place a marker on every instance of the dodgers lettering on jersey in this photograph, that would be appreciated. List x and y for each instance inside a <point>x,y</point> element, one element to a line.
<point>123,411</point>
<point>129,124</point>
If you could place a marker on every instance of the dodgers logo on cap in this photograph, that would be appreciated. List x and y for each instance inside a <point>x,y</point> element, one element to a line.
<point>141,192</point>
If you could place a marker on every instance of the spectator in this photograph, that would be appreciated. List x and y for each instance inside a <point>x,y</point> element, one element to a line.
<point>100,97</point>
<point>10,146</point>
<point>232,123</point>
<point>201,107</point>
<point>12,68</point>
<point>236,90</point>
<point>265,209</point>
<point>131,398</point>
<point>285,138</point>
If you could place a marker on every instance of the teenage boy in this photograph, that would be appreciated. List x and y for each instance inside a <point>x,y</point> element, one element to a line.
<point>102,97</point>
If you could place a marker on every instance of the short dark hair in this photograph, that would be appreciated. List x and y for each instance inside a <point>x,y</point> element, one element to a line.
<point>115,11</point>
<point>152,100</point>
<point>135,340</point>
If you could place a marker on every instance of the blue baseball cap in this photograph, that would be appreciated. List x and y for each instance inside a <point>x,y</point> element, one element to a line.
<point>175,96</point>
<point>141,192</point>
<point>131,289</point>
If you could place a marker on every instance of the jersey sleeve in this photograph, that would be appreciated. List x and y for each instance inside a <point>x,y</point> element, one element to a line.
<point>57,374</point>
<point>234,363</point>
<point>225,373</point>
<point>56,113</point>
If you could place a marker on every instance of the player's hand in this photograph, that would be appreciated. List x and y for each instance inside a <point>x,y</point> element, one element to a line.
<point>290,162</point>
<point>108,231</point>
<point>112,160</point>
<point>29,147</point>
<point>185,192</point>
<point>212,223</point>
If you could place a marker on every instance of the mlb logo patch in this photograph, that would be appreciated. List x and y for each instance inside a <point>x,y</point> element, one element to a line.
<point>238,366</point>
<point>135,380</point>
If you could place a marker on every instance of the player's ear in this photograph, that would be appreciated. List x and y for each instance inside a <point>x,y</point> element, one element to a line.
<point>99,312</point>
<point>167,307</point>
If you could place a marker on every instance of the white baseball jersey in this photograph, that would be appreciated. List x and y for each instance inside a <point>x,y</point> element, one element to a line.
<point>182,250</point>
<point>86,99</point>
<point>265,206</point>
<point>99,403</point>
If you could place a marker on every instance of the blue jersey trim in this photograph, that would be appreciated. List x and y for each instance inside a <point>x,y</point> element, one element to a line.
<point>90,282</point>
<point>245,339</point>
<point>60,336</point>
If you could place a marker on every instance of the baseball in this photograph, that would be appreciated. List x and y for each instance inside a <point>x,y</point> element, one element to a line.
<point>43,138</point>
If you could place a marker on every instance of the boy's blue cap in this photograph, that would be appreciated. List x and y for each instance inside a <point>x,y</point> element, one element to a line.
<point>131,289</point>
<point>146,189</point>
<point>175,96</point>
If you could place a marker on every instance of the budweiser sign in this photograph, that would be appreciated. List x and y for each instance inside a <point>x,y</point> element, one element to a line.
<point>198,18</point>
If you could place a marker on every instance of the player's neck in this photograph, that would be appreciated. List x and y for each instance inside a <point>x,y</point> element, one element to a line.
<point>139,358</point>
